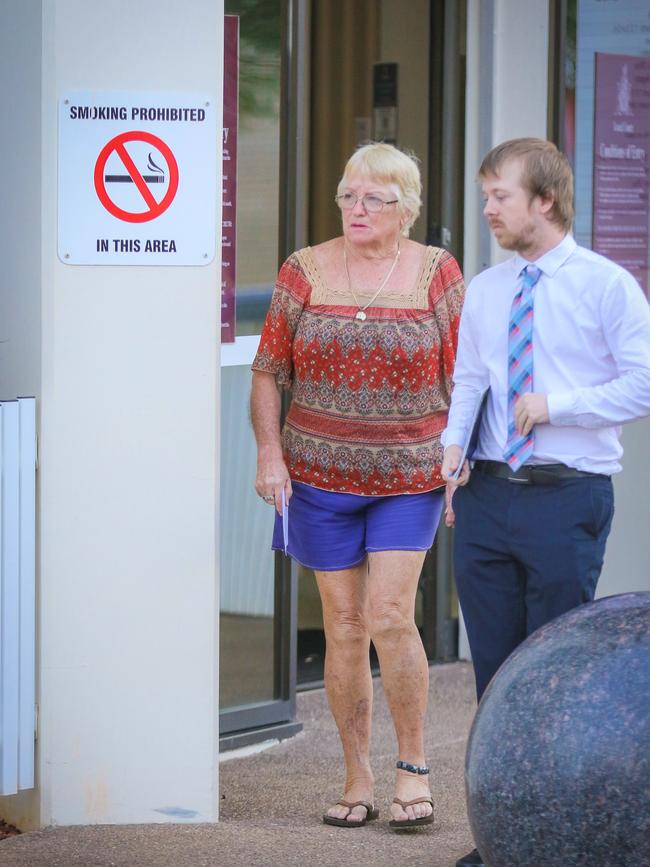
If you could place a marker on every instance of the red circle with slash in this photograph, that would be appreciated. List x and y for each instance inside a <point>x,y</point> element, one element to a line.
<point>154,208</point>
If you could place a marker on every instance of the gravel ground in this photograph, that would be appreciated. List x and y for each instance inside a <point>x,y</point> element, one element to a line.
<point>272,803</point>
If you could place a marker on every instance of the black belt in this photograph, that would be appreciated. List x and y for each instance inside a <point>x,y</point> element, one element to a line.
<point>533,474</point>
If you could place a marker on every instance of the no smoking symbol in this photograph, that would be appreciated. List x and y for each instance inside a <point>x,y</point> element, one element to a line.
<point>158,176</point>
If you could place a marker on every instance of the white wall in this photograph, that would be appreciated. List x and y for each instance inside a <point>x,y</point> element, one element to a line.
<point>128,465</point>
<point>627,558</point>
<point>507,83</point>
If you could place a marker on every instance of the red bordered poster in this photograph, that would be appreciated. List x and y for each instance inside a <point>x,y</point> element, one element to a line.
<point>229,200</point>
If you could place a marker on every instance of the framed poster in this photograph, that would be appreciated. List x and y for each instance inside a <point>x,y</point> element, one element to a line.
<point>621,182</point>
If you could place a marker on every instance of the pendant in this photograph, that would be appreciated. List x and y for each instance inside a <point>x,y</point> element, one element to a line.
<point>360,315</point>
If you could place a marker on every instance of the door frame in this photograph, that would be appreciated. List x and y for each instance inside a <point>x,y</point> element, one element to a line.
<point>294,143</point>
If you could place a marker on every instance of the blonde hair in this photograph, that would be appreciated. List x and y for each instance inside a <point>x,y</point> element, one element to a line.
<point>386,164</point>
<point>545,172</point>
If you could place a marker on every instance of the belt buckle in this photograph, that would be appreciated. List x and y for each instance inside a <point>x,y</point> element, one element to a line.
<point>520,481</point>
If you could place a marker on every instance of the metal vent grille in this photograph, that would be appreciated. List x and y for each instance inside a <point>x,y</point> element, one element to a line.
<point>17,593</point>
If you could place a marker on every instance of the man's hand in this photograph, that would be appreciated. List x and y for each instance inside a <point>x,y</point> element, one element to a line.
<point>450,517</point>
<point>450,463</point>
<point>531,409</point>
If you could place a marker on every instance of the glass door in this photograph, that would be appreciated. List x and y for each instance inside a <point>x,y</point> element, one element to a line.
<point>424,42</point>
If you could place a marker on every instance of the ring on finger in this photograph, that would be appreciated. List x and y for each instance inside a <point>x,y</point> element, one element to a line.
<point>268,498</point>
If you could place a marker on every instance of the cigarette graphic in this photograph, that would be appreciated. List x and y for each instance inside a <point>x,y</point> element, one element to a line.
<point>127,179</point>
<point>149,179</point>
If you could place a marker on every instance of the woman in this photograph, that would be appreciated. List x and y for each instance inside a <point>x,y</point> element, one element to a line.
<point>363,329</point>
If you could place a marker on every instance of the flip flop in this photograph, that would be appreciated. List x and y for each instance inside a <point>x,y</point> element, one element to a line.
<point>371,814</point>
<point>405,824</point>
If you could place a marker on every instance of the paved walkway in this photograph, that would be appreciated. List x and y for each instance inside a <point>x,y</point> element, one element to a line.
<point>271,803</point>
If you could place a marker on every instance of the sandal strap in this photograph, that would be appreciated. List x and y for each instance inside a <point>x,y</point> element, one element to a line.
<point>351,804</point>
<point>412,769</point>
<point>423,800</point>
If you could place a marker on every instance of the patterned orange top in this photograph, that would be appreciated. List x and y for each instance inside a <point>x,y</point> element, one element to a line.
<point>369,399</point>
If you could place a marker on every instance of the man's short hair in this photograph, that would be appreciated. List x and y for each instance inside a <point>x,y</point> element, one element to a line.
<point>545,172</point>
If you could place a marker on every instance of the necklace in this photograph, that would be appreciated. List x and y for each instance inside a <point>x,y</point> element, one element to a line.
<point>361,312</point>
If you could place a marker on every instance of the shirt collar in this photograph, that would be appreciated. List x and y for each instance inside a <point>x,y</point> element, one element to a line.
<point>550,261</point>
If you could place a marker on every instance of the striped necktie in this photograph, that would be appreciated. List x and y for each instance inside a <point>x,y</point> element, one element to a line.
<point>520,364</point>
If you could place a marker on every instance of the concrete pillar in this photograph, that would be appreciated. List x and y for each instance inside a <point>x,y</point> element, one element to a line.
<point>124,363</point>
<point>507,90</point>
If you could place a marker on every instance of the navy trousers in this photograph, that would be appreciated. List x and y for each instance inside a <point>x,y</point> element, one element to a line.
<point>523,555</point>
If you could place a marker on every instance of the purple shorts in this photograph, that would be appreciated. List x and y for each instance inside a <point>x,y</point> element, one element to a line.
<point>330,531</point>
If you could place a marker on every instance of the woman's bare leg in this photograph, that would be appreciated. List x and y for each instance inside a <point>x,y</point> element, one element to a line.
<point>348,681</point>
<point>392,584</point>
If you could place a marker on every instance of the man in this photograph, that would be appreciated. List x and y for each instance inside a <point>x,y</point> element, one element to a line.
<point>561,336</point>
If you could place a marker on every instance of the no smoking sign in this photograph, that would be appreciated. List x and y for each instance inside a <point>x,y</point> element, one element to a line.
<point>137,179</point>
<point>119,180</point>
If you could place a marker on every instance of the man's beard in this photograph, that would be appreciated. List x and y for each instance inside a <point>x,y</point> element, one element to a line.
<point>520,241</point>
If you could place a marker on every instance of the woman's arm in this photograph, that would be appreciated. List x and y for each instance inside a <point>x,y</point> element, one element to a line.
<point>272,474</point>
<point>272,370</point>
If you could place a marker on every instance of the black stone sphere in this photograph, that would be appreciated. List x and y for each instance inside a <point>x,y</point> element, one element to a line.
<point>558,761</point>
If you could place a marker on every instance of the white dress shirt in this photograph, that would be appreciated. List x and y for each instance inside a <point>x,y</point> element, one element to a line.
<point>591,357</point>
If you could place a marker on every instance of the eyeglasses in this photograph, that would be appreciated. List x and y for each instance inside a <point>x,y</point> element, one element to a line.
<point>372,204</point>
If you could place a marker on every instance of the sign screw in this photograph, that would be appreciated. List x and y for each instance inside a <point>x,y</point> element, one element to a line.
<point>66,256</point>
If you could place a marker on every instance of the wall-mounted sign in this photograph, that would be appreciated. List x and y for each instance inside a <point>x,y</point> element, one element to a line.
<point>384,99</point>
<point>137,173</point>
<point>614,27</point>
<point>229,193</point>
<point>621,213</point>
